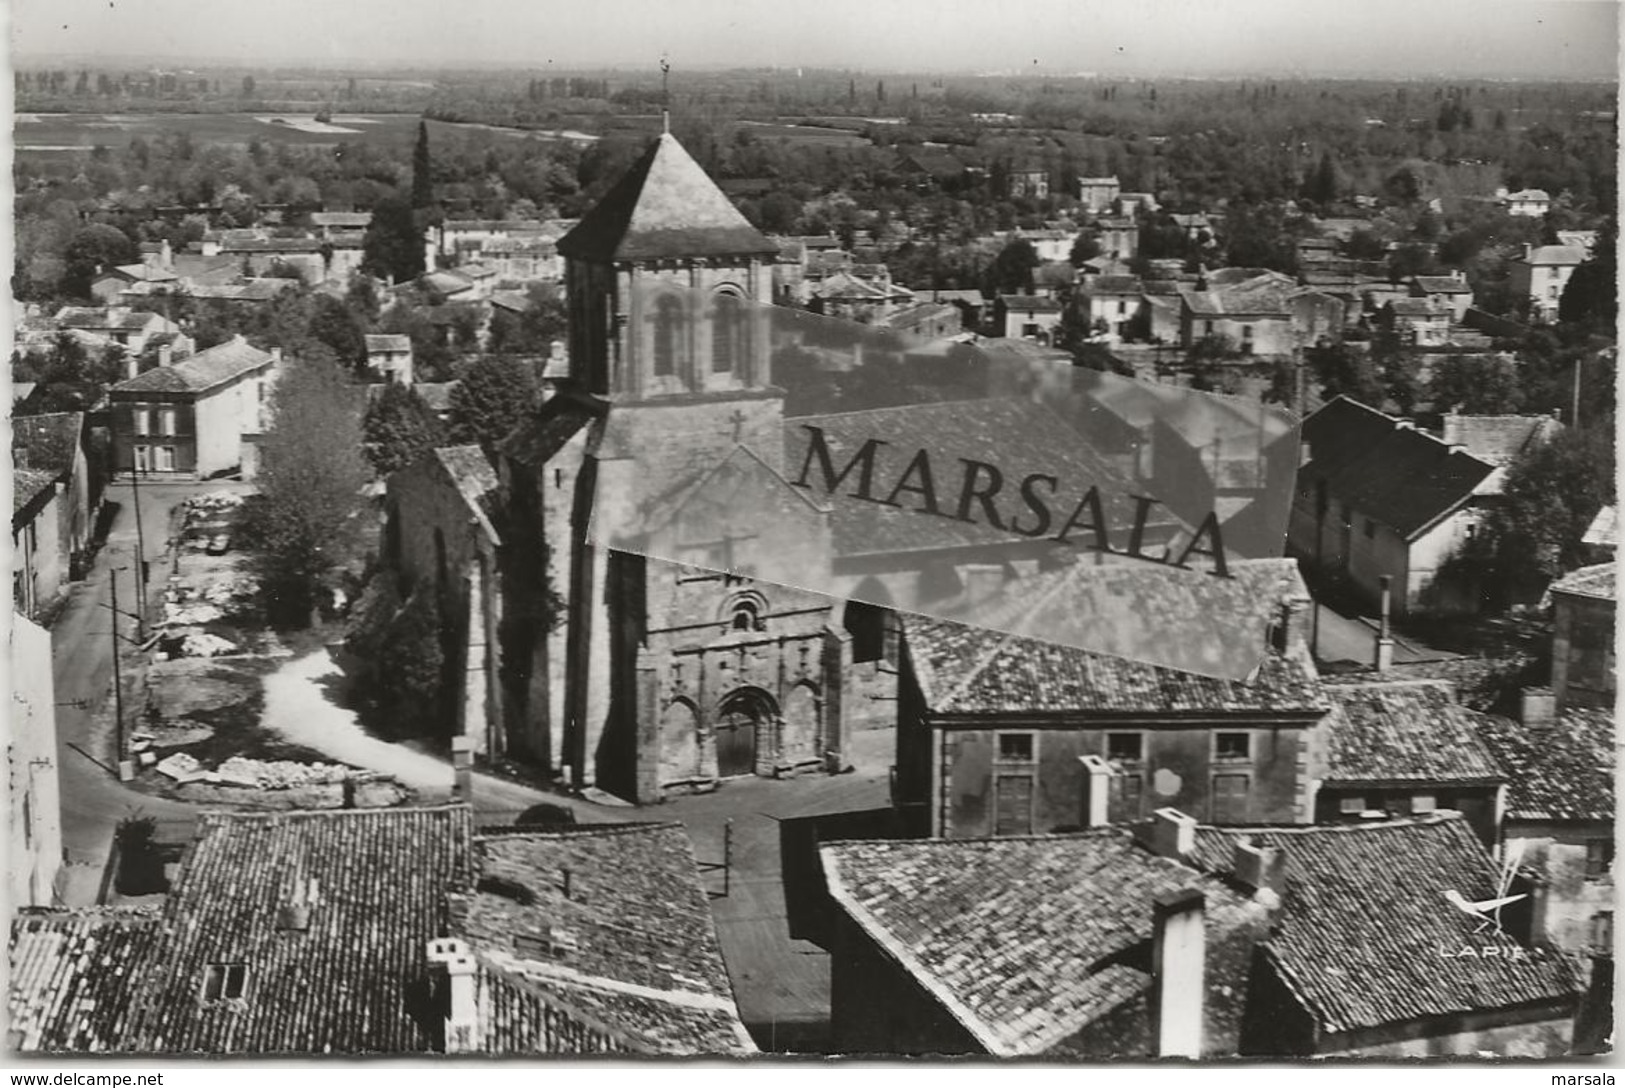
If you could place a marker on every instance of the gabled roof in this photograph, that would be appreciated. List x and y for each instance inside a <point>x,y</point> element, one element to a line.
<point>27,487</point>
<point>972,670</point>
<point>1031,303</point>
<point>1594,581</point>
<point>471,474</point>
<point>1603,532</point>
<point>664,207</point>
<point>1442,285</point>
<point>201,372</point>
<point>625,960</point>
<point>1563,770</point>
<point>1555,255</point>
<point>1500,440</point>
<point>391,342</point>
<point>1114,285</point>
<point>1417,307</point>
<point>1409,731</point>
<point>1024,941</point>
<point>1261,295</point>
<point>1363,919</point>
<point>341,219</point>
<point>1386,469</point>
<point>627,901</point>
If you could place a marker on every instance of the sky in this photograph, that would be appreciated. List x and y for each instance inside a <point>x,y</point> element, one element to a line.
<point>1399,38</point>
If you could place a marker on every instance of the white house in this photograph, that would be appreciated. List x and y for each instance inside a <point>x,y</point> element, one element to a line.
<point>1542,273</point>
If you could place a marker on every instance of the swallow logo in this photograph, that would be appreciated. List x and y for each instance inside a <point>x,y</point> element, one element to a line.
<point>1487,912</point>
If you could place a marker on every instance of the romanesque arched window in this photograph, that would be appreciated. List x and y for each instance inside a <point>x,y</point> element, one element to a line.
<point>727,333</point>
<point>668,336</point>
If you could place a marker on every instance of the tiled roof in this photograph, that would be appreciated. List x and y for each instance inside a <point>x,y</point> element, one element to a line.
<point>1417,307</point>
<point>560,419</point>
<point>1412,731</point>
<point>966,669</point>
<point>111,317</point>
<point>640,952</point>
<point>1593,581</point>
<point>965,297</point>
<point>437,395</point>
<point>1018,436</point>
<point>1498,440</point>
<point>388,342</point>
<point>1114,285</point>
<point>1016,937</point>
<point>1442,285</point>
<point>446,283</point>
<point>628,961</point>
<point>1555,255</point>
<point>1529,194</point>
<point>201,372</point>
<point>1031,303</point>
<point>258,290</point>
<point>494,226</point>
<point>1363,918</point>
<point>27,485</point>
<point>471,473</point>
<point>341,219</point>
<point>49,441</point>
<point>665,206</point>
<point>1394,473</point>
<point>272,245</point>
<point>1603,532</point>
<point>54,1003</point>
<point>1560,771</point>
<point>376,882</point>
<point>1260,295</point>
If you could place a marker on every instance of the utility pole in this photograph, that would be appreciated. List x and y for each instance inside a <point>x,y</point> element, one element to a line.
<point>140,550</point>
<point>126,769</point>
<point>1574,417</point>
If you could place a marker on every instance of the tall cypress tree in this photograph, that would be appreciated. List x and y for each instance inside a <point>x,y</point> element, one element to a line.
<point>422,186</point>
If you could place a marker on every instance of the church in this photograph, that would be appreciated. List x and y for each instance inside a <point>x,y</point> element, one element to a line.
<point>650,676</point>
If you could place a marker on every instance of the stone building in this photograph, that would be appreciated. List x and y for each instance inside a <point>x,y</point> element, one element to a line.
<point>657,675</point>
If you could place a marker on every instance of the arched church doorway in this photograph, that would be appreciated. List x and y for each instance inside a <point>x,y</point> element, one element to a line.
<point>742,721</point>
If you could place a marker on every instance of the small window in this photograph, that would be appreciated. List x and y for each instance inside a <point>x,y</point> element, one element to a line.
<point>1016,747</point>
<point>1125,747</point>
<point>1424,803</point>
<point>745,615</point>
<point>1351,806</point>
<point>1599,858</point>
<point>166,420</point>
<point>1233,746</point>
<point>143,421</point>
<point>224,981</point>
<point>1602,933</point>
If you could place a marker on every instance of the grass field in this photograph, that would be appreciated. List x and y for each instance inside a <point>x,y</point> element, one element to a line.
<point>59,133</point>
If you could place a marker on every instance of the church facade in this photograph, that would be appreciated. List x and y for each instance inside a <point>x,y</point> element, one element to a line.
<point>641,675</point>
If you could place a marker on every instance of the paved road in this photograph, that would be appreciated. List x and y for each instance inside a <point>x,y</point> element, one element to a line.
<point>93,800</point>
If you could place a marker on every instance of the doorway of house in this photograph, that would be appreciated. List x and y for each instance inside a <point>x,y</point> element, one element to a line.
<point>739,724</point>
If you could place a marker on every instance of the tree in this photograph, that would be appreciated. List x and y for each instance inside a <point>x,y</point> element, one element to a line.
<point>92,250</point>
<point>399,428</point>
<point>393,245</point>
<point>422,181</point>
<point>410,667</point>
<point>1085,249</point>
<point>248,86</point>
<point>70,377</point>
<point>1476,386</point>
<point>493,396</point>
<point>336,325</point>
<point>1346,371</point>
<point>1012,270</point>
<point>1321,186</point>
<point>1590,296</point>
<point>1550,497</point>
<point>311,477</point>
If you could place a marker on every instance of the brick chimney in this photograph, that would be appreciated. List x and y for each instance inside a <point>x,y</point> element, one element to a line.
<point>1452,428</point>
<point>132,363</point>
<point>1178,971</point>
<point>1295,618</point>
<point>453,968</point>
<point>1169,833</point>
<point>165,354</point>
<point>1097,788</point>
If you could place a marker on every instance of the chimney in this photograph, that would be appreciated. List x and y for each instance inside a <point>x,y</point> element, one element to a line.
<point>132,363</point>
<point>1452,428</point>
<point>1259,868</point>
<point>1384,652</point>
<point>454,968</point>
<point>462,765</point>
<point>166,256</point>
<point>1528,250</point>
<point>1097,786</point>
<point>1537,706</point>
<point>1294,630</point>
<point>276,356</point>
<point>239,339</point>
<point>1178,970</point>
<point>1169,833</point>
<point>165,354</point>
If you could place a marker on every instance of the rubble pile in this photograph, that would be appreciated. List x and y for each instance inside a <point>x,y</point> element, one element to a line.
<point>283,774</point>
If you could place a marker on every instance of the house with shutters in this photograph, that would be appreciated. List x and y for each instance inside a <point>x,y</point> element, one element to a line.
<point>1177,940</point>
<point>1407,748</point>
<point>188,418</point>
<point>1376,497</point>
<point>423,934</point>
<point>1584,603</point>
<point>999,734</point>
<point>1542,274</point>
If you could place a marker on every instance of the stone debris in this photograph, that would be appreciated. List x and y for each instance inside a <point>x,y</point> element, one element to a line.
<point>283,774</point>
<point>181,767</point>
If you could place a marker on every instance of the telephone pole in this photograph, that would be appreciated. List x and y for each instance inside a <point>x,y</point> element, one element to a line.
<point>140,550</point>
<point>126,770</point>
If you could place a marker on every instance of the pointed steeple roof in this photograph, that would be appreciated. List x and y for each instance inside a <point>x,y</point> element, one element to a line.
<point>665,207</point>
